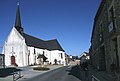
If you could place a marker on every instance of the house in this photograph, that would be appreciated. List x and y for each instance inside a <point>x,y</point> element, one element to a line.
<point>84,57</point>
<point>105,39</point>
<point>86,54</point>
<point>21,49</point>
<point>66,59</point>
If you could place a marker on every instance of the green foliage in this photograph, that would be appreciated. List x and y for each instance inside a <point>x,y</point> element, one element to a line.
<point>41,68</point>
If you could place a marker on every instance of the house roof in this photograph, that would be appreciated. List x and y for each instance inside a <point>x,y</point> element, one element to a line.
<point>53,45</point>
<point>39,43</point>
<point>35,42</point>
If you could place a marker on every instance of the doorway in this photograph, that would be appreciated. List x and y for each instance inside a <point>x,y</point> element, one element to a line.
<point>102,59</point>
<point>13,60</point>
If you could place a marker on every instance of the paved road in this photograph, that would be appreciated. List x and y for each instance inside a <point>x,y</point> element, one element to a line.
<point>26,72</point>
<point>60,74</point>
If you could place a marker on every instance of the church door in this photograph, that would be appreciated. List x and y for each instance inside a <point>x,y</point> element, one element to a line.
<point>12,60</point>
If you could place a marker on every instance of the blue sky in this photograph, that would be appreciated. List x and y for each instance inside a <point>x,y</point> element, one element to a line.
<point>69,21</point>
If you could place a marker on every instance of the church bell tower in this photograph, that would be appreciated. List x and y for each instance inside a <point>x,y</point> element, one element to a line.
<point>18,21</point>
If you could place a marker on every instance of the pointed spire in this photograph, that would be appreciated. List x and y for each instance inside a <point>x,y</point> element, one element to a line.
<point>18,3</point>
<point>18,19</point>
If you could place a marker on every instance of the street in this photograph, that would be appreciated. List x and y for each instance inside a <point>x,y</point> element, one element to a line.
<point>60,74</point>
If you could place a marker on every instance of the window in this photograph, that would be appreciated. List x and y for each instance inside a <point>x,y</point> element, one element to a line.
<point>28,52</point>
<point>111,19</point>
<point>43,52</point>
<point>34,51</point>
<point>110,27</point>
<point>61,55</point>
<point>111,14</point>
<point>101,32</point>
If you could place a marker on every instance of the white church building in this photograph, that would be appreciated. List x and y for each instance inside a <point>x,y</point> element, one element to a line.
<point>22,49</point>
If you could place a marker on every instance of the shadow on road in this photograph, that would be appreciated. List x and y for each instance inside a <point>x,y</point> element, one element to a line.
<point>75,71</point>
<point>4,72</point>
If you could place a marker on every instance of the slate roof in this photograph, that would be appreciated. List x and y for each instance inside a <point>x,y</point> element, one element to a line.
<point>42,44</point>
<point>53,45</point>
<point>18,20</point>
<point>35,42</point>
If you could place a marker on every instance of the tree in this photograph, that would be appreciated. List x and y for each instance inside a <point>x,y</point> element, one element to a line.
<point>42,59</point>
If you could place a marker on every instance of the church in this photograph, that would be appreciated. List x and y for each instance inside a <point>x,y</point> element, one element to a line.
<point>21,49</point>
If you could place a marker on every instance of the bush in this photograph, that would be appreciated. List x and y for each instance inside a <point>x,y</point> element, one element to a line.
<point>41,68</point>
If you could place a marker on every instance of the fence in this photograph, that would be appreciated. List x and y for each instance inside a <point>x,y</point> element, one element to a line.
<point>94,78</point>
<point>2,60</point>
<point>16,74</point>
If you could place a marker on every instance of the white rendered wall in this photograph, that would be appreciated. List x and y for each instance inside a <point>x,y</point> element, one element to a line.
<point>15,45</point>
<point>56,54</point>
<point>48,55</point>
<point>31,56</point>
<point>51,55</point>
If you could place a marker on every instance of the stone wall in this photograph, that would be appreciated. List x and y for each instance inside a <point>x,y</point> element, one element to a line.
<point>105,40</point>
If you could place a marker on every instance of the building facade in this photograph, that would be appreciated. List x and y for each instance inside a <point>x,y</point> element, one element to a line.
<point>105,39</point>
<point>21,49</point>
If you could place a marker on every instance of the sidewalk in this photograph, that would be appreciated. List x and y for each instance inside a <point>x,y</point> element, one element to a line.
<point>97,75</point>
<point>28,72</point>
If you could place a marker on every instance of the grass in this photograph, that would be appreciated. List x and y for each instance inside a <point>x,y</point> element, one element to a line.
<point>41,68</point>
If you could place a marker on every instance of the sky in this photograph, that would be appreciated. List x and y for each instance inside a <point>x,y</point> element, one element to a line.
<point>68,21</point>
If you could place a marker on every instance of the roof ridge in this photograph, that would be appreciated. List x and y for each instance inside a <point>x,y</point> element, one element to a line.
<point>50,40</point>
<point>33,36</point>
<point>37,42</point>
